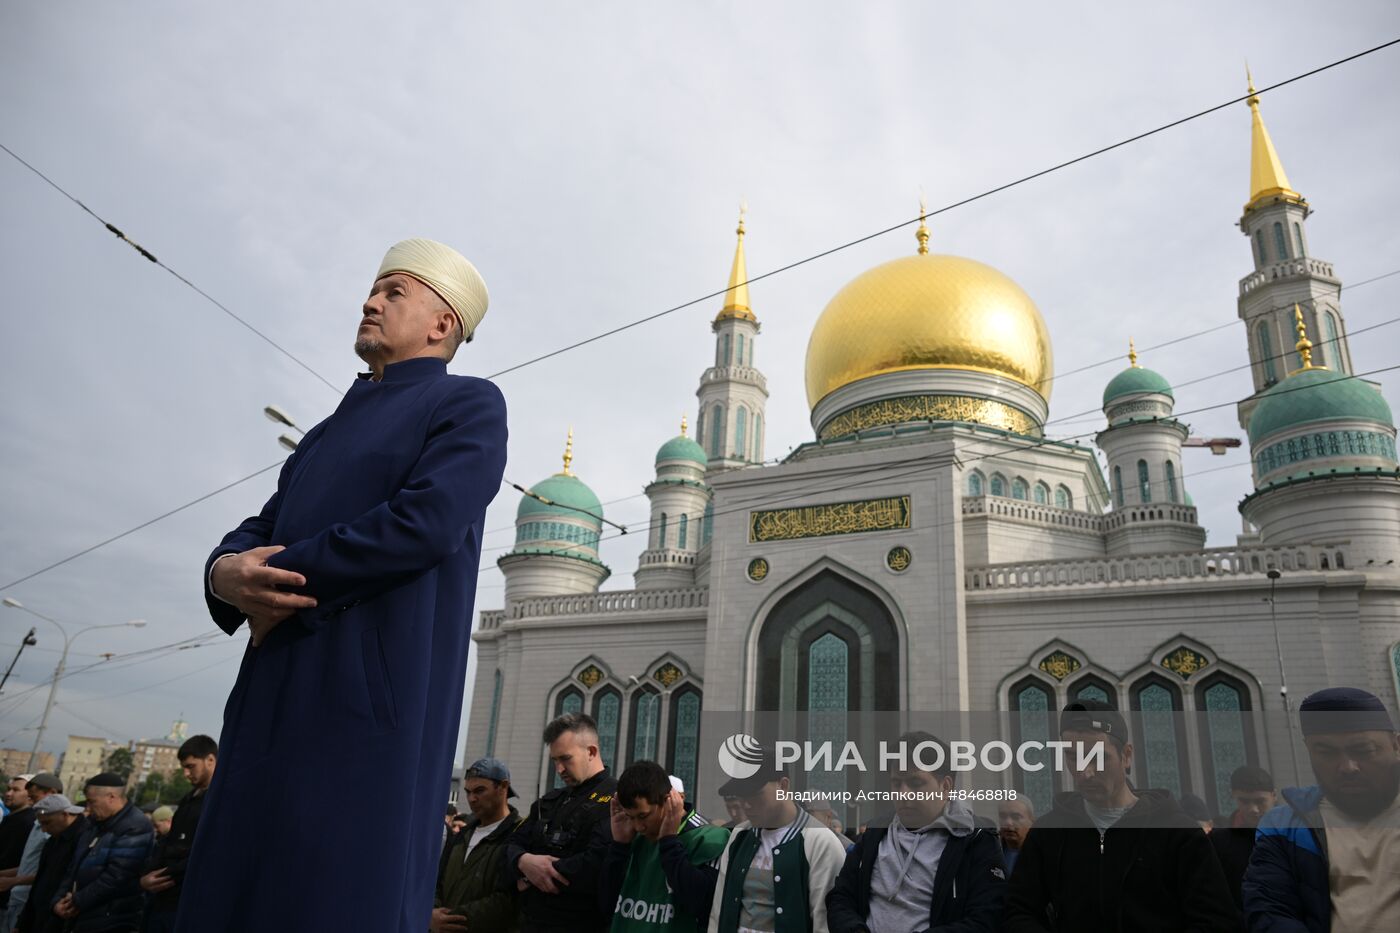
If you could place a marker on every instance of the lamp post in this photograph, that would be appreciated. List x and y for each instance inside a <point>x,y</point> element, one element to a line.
<point>28,640</point>
<point>62,663</point>
<point>279,416</point>
<point>1274,575</point>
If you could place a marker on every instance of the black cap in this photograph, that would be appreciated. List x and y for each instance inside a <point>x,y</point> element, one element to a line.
<point>1343,709</point>
<point>1094,716</point>
<point>746,753</point>
<point>46,781</point>
<point>105,779</point>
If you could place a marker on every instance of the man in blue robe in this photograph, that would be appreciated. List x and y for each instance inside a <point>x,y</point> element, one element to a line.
<point>356,581</point>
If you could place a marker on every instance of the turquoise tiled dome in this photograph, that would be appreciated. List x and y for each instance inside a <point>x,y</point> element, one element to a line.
<point>1136,381</point>
<point>573,496</point>
<point>1313,395</point>
<point>682,448</point>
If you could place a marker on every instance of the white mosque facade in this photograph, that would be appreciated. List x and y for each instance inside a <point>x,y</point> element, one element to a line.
<point>930,549</point>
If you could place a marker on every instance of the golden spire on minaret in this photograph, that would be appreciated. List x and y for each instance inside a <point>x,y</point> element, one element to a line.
<point>684,425</point>
<point>922,233</point>
<point>1267,178</point>
<point>1132,355</point>
<point>1304,345</point>
<point>569,454</point>
<point>736,297</point>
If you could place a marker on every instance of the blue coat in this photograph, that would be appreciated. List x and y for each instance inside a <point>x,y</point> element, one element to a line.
<point>1285,887</point>
<point>326,809</point>
<point>106,872</point>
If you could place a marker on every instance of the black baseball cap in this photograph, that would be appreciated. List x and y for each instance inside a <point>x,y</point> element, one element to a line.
<point>1094,716</point>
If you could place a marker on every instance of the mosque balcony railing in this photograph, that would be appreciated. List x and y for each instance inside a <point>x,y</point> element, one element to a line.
<point>734,373</point>
<point>490,619</point>
<point>1027,510</point>
<point>1253,560</point>
<point>668,556</point>
<point>1150,512</point>
<point>1287,269</point>
<point>617,601</point>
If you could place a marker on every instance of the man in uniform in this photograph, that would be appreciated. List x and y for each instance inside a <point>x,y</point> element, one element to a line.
<point>554,856</point>
<point>357,582</point>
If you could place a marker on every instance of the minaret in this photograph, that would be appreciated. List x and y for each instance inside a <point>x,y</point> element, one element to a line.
<point>557,529</point>
<point>678,497</point>
<point>1285,273</point>
<point>1152,511</point>
<point>733,393</point>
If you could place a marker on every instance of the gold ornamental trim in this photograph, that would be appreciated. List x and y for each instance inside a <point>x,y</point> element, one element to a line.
<point>837,518</point>
<point>667,674</point>
<point>590,676</point>
<point>906,408</point>
<point>899,559</point>
<point>1059,664</point>
<point>758,570</point>
<point>1184,662</point>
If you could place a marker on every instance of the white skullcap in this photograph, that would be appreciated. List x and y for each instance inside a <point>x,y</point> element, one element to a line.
<point>445,271</point>
<point>677,784</point>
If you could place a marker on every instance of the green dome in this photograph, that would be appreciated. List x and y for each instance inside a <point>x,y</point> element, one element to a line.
<point>1316,395</point>
<point>682,448</point>
<point>568,491</point>
<point>1136,381</point>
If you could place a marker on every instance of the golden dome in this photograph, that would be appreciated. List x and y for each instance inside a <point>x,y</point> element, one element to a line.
<point>928,312</point>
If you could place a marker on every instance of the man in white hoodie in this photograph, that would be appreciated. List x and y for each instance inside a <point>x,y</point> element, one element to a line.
<point>929,866</point>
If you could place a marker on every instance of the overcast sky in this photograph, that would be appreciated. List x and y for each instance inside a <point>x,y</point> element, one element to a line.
<point>589,158</point>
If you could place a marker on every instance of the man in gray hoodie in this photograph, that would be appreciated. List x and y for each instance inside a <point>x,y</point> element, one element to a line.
<point>930,865</point>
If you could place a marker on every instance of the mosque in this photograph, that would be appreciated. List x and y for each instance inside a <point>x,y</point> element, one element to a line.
<point>931,549</point>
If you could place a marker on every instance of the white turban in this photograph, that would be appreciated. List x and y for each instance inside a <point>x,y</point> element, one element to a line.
<point>445,271</point>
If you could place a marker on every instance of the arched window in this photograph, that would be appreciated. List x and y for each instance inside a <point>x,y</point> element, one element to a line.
<point>724,350</point>
<point>1334,346</point>
<point>569,701</point>
<point>1042,494</point>
<point>700,429</point>
<point>1032,712</point>
<point>741,422</point>
<point>1090,687</point>
<point>498,682</point>
<point>1259,240</point>
<point>974,483</point>
<point>1227,739</point>
<point>1298,238</point>
<point>1118,486</point>
<point>607,711</point>
<point>1280,242</point>
<point>681,532</point>
<point>1144,484</point>
<point>757,438</point>
<point>751,343</point>
<point>1063,499</point>
<point>661,532</point>
<point>1171,482</point>
<point>646,724</point>
<point>707,525</point>
<point>1266,352</point>
<point>1019,489</point>
<point>1161,740</point>
<point>717,431</point>
<point>683,752</point>
<point>740,358</point>
<point>998,484</point>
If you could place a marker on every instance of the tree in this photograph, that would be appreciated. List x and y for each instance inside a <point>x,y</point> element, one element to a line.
<point>150,790</point>
<point>120,762</point>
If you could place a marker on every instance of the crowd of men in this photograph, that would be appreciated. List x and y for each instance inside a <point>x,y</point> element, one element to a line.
<point>102,867</point>
<point>631,854</point>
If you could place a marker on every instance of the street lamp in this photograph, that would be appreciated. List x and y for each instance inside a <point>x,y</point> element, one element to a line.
<point>279,416</point>
<point>27,641</point>
<point>62,663</point>
<point>1273,576</point>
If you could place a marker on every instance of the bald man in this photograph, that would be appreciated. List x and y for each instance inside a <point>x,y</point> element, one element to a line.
<point>356,582</point>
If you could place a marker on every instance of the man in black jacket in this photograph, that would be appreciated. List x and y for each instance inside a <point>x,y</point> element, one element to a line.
<point>102,889</point>
<point>1109,858</point>
<point>166,869</point>
<point>1252,789</point>
<point>929,867</point>
<point>64,824</point>
<point>553,857</point>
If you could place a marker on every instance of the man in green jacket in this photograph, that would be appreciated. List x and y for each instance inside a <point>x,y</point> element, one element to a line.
<point>660,869</point>
<point>469,896</point>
